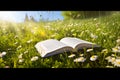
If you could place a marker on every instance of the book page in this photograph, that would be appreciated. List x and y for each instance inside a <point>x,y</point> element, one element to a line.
<point>51,46</point>
<point>74,42</point>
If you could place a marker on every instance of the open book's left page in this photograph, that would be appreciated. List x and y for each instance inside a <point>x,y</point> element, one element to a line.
<point>51,47</point>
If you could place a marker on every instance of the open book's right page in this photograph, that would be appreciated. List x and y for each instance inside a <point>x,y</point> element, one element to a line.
<point>77,43</point>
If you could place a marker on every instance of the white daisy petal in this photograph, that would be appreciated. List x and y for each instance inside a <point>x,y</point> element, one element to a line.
<point>118,41</point>
<point>93,58</point>
<point>29,41</point>
<point>107,58</point>
<point>1,55</point>
<point>80,59</point>
<point>117,63</point>
<point>25,52</point>
<point>34,58</point>
<point>21,60</point>
<point>89,50</point>
<point>115,49</point>
<point>112,60</point>
<point>20,56</point>
<point>81,55</point>
<point>109,67</point>
<point>71,56</point>
<point>104,51</point>
<point>4,53</point>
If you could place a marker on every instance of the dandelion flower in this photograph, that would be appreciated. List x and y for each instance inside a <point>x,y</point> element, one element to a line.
<point>80,59</point>
<point>89,50</point>
<point>21,60</point>
<point>34,58</point>
<point>71,56</point>
<point>93,58</point>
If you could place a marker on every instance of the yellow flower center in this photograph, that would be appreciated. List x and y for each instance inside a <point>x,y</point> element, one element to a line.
<point>93,56</point>
<point>118,62</point>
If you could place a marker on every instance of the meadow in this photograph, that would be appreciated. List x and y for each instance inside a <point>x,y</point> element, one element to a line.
<point>17,41</point>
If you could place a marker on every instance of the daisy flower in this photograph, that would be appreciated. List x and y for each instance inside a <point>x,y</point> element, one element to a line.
<point>112,60</point>
<point>104,51</point>
<point>21,60</point>
<point>107,58</point>
<point>116,49</point>
<point>93,36</point>
<point>81,55</point>
<point>118,41</point>
<point>109,67</point>
<point>80,59</point>
<point>9,49</point>
<point>29,41</point>
<point>98,29</point>
<point>19,47</point>
<point>16,43</point>
<point>34,58</point>
<point>0,54</point>
<point>20,56</point>
<point>113,55</point>
<point>89,50</point>
<point>26,52</point>
<point>71,56</point>
<point>117,63</point>
<point>93,58</point>
<point>3,54</point>
<point>7,67</point>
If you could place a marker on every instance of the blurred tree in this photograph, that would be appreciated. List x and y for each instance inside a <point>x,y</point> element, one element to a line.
<point>32,19</point>
<point>26,18</point>
<point>84,14</point>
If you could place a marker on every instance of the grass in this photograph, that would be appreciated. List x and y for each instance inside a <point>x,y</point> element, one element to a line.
<point>20,38</point>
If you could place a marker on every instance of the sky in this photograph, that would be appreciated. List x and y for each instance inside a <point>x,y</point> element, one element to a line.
<point>19,16</point>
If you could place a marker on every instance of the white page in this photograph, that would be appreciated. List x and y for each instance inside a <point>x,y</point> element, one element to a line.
<point>73,42</point>
<point>49,46</point>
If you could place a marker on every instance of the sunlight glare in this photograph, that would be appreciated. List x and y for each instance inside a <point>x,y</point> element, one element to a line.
<point>7,15</point>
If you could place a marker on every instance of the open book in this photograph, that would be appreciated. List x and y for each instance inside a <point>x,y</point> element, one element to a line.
<point>52,46</point>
